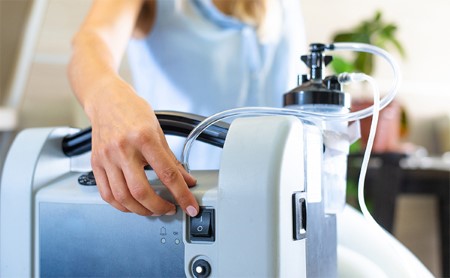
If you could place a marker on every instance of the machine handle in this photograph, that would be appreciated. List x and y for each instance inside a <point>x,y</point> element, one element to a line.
<point>172,123</point>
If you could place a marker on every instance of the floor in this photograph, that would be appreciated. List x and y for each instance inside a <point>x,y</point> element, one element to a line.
<point>416,226</point>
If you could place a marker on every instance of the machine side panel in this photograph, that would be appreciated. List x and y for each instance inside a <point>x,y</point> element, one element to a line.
<point>16,203</point>
<point>251,204</point>
<point>322,241</point>
<point>292,257</point>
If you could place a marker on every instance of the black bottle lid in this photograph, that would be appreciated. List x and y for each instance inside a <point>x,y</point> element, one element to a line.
<point>314,89</point>
<point>327,92</point>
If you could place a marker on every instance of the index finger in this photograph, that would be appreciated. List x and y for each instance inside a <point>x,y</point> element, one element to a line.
<point>143,193</point>
<point>168,172</point>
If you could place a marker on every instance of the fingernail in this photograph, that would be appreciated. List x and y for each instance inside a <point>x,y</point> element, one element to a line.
<point>191,211</point>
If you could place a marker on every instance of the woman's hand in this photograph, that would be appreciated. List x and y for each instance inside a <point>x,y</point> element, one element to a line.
<point>126,136</point>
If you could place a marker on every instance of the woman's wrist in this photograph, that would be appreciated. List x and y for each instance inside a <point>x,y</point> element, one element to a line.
<point>99,92</point>
<point>110,91</point>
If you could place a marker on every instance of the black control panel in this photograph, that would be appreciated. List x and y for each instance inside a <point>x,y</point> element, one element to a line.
<point>202,227</point>
<point>87,179</point>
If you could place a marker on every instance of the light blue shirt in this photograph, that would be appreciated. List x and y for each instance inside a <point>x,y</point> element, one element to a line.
<point>198,60</point>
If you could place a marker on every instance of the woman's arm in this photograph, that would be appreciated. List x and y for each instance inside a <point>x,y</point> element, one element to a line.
<point>125,132</point>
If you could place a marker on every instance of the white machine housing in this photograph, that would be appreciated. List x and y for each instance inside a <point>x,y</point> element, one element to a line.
<point>266,215</point>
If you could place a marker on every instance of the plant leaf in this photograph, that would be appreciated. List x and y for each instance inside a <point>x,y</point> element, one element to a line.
<point>373,31</point>
<point>340,65</point>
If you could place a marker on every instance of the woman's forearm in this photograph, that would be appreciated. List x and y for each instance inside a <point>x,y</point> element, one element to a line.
<point>91,68</point>
<point>99,45</point>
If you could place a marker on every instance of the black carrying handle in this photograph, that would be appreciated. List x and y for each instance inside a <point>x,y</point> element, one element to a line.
<point>172,123</point>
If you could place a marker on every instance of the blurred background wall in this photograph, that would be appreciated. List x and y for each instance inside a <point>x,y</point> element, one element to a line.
<point>12,15</point>
<point>421,29</point>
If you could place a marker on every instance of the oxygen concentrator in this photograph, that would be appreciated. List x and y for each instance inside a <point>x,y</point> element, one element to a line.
<point>269,211</point>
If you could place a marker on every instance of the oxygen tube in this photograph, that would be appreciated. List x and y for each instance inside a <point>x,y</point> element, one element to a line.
<point>315,61</point>
<point>321,100</point>
<point>343,78</point>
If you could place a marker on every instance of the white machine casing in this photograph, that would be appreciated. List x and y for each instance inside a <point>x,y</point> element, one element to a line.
<point>265,210</point>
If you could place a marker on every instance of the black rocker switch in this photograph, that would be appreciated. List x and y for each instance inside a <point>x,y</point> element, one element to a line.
<point>202,225</point>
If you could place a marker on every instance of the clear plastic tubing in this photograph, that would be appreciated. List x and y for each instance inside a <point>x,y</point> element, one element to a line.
<point>307,115</point>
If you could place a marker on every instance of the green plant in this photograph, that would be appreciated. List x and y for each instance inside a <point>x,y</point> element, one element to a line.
<point>372,31</point>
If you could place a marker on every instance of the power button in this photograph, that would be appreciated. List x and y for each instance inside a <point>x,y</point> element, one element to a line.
<point>202,227</point>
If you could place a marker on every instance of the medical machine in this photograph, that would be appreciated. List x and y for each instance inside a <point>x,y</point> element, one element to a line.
<point>268,211</point>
